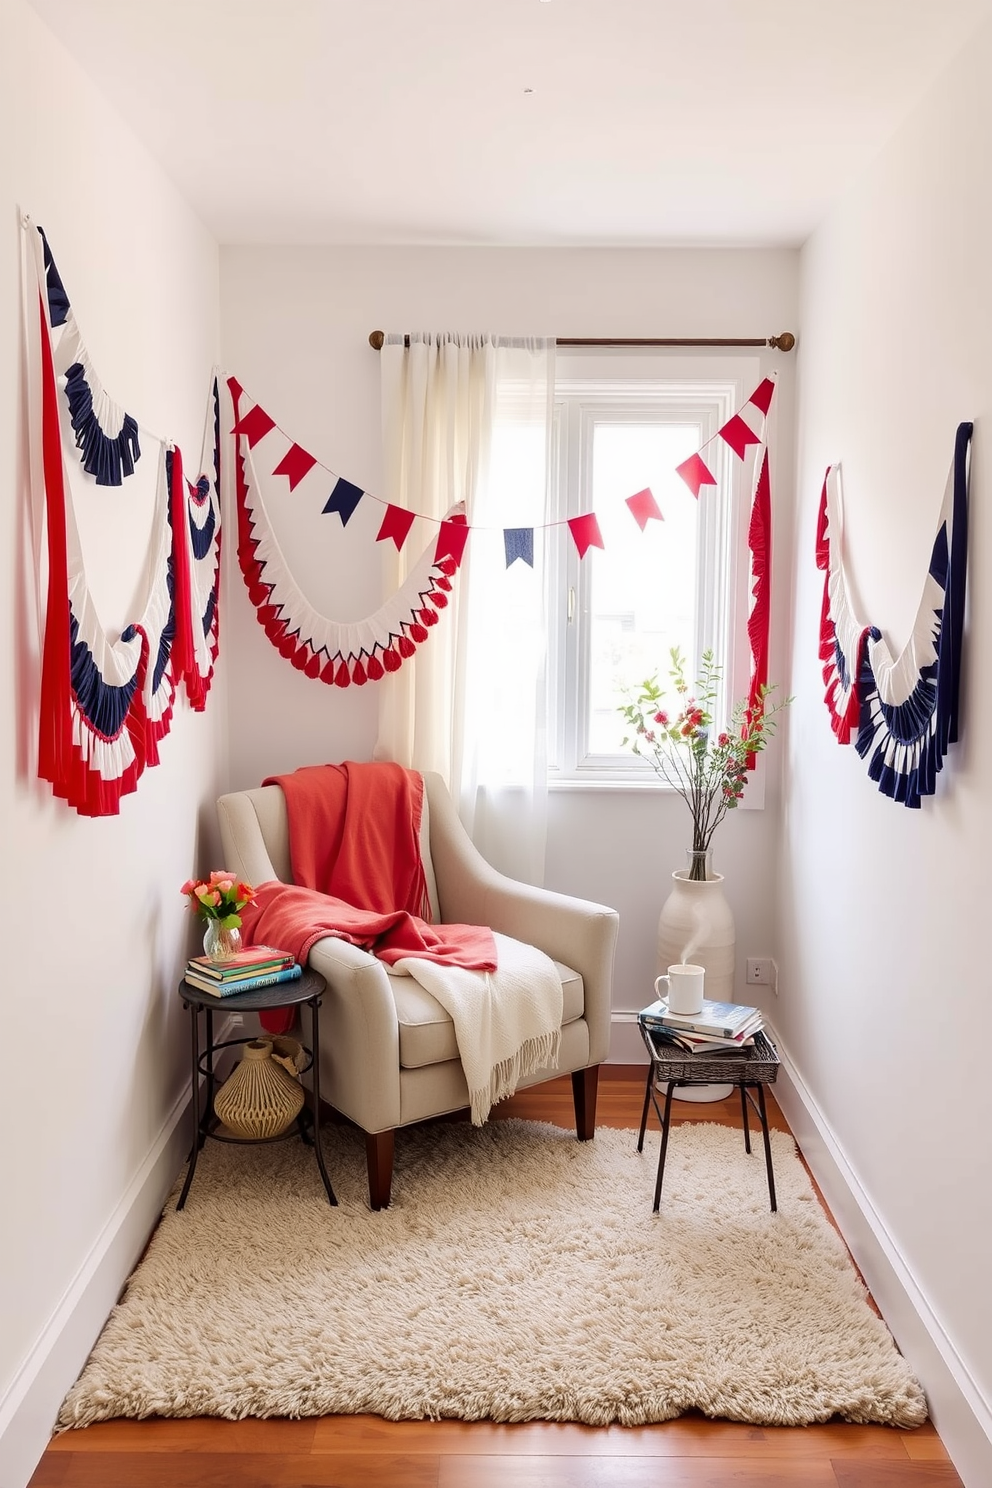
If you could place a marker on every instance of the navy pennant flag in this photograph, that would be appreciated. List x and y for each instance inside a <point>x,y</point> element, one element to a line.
<point>343,500</point>
<point>518,542</point>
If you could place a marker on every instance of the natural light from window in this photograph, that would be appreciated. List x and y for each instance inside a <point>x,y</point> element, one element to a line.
<point>642,589</point>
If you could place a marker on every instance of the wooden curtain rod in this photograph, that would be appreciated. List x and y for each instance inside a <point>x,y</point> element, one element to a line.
<point>785,342</point>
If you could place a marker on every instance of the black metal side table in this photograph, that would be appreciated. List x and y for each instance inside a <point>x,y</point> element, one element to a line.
<point>308,989</point>
<point>751,1068</point>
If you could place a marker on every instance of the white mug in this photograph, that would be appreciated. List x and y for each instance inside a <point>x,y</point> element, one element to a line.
<point>683,987</point>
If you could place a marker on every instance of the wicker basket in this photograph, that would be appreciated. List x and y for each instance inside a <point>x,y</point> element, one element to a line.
<point>260,1098</point>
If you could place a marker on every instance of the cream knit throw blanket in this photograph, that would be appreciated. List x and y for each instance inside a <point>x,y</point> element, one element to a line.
<point>507,1021</point>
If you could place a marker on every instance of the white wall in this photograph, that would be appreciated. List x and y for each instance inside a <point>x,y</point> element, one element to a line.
<point>95,1037</point>
<point>295,325</point>
<point>884,950</point>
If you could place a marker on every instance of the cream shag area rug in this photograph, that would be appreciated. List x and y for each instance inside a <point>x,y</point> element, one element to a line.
<point>519,1275</point>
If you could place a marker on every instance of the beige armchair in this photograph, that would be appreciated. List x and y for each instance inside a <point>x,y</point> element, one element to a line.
<point>388,1055</point>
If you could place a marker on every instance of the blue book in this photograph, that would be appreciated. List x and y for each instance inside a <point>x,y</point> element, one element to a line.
<point>245,984</point>
<point>725,1019</point>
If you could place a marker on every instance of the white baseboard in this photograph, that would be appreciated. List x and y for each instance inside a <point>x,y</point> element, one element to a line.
<point>626,1044</point>
<point>961,1415</point>
<point>29,1407</point>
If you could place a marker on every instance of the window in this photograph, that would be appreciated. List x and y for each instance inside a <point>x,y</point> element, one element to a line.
<point>616,613</point>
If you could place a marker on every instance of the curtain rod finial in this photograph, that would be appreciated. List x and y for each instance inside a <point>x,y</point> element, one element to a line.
<point>376,338</point>
<point>785,342</point>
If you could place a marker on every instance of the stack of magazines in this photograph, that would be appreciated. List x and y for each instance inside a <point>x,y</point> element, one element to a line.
<point>717,1026</point>
<point>258,966</point>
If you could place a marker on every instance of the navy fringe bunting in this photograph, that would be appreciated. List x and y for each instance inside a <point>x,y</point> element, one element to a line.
<point>103,706</point>
<point>208,614</point>
<point>58,300</point>
<point>202,537</point>
<point>907,741</point>
<point>108,458</point>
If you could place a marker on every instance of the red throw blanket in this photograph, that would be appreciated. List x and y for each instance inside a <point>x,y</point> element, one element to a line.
<point>354,841</point>
<point>354,833</point>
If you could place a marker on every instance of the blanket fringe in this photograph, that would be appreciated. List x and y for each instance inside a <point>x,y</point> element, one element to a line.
<point>532,1055</point>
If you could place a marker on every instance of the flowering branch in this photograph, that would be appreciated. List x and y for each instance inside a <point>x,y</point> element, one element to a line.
<point>709,774</point>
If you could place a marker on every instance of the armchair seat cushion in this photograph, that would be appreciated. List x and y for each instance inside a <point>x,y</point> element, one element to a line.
<point>426,1032</point>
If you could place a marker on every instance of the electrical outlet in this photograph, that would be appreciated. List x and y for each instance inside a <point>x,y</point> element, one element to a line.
<point>761,971</point>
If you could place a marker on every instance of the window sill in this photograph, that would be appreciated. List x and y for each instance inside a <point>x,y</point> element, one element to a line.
<point>754,797</point>
<point>610,785</point>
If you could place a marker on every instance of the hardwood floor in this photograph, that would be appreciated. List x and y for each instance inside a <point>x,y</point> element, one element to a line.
<point>366,1451</point>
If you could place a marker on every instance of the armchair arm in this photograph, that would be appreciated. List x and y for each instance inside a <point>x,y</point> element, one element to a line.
<point>578,932</point>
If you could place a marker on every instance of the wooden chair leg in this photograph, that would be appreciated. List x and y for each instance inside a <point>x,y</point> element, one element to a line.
<point>585,1086</point>
<point>379,1154</point>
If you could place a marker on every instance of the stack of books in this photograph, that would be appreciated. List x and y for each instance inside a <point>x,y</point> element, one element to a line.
<point>258,966</point>
<point>717,1027</point>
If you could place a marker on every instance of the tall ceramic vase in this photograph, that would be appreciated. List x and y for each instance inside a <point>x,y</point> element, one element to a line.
<point>696,924</point>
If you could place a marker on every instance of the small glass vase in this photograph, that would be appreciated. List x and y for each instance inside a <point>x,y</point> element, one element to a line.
<point>699,864</point>
<point>221,942</point>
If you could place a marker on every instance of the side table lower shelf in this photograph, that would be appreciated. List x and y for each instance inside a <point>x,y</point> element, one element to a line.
<point>308,990</point>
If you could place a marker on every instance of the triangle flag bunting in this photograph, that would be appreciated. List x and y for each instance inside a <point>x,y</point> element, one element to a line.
<point>644,507</point>
<point>396,524</point>
<point>343,500</point>
<point>695,473</point>
<point>295,464</point>
<point>518,542</point>
<point>585,533</point>
<point>738,435</point>
<point>452,539</point>
<point>762,395</point>
<point>254,425</point>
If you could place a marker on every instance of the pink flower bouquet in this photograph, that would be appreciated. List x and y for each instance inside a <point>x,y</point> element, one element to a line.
<point>220,897</point>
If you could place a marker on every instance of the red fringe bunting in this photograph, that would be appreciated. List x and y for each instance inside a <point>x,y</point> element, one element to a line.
<point>338,670</point>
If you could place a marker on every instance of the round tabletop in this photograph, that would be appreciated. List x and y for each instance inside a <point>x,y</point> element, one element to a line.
<point>281,994</point>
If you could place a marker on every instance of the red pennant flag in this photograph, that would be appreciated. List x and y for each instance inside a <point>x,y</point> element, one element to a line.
<point>762,395</point>
<point>644,507</point>
<point>452,540</point>
<point>585,533</point>
<point>737,434</point>
<point>254,425</point>
<point>295,463</point>
<point>396,524</point>
<point>695,474</point>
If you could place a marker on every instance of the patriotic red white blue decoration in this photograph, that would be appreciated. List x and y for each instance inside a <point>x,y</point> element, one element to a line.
<point>107,702</point>
<point>744,431</point>
<point>362,651</point>
<point>906,708</point>
<point>843,637</point>
<point>333,651</point>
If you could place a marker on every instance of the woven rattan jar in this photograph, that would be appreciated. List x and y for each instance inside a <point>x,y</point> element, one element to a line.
<point>260,1098</point>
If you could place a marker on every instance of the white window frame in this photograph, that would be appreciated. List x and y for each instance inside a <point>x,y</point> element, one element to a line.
<point>624,389</point>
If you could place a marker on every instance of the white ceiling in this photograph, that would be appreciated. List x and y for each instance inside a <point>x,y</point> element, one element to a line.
<point>410,121</point>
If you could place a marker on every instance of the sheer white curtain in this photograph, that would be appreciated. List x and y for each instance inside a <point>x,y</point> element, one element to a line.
<point>467,420</point>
